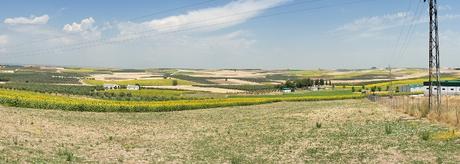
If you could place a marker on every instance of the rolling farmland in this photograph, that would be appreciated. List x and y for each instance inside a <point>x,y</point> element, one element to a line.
<point>330,124</point>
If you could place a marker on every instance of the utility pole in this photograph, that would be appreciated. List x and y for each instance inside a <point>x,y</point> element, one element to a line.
<point>390,77</point>
<point>390,87</point>
<point>434,62</point>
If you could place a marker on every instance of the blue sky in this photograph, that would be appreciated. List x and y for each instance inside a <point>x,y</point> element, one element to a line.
<point>270,34</point>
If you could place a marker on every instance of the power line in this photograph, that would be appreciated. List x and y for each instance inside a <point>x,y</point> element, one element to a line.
<point>412,27</point>
<point>401,50</point>
<point>101,42</point>
<point>396,47</point>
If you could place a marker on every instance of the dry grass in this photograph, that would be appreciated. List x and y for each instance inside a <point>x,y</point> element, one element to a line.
<point>351,131</point>
<point>417,106</point>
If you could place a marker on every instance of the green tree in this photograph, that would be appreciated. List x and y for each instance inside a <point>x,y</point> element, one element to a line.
<point>321,81</point>
<point>175,82</point>
<point>290,84</point>
<point>373,89</point>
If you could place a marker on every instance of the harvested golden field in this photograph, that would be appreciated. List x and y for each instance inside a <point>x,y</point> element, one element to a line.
<point>292,132</point>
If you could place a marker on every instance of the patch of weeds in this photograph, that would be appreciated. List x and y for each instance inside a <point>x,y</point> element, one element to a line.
<point>318,125</point>
<point>110,138</point>
<point>15,141</point>
<point>236,160</point>
<point>388,129</point>
<point>439,160</point>
<point>425,135</point>
<point>67,155</point>
<point>446,135</point>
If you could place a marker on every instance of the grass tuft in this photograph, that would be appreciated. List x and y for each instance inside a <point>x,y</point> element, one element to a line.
<point>425,135</point>
<point>67,154</point>
<point>388,129</point>
<point>318,125</point>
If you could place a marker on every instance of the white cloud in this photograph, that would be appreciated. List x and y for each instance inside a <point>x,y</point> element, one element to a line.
<point>32,20</point>
<point>449,16</point>
<point>380,23</point>
<point>228,15</point>
<point>445,7</point>
<point>377,23</point>
<point>84,25</point>
<point>3,39</point>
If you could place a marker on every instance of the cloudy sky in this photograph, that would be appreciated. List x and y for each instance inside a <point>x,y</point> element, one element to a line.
<point>270,34</point>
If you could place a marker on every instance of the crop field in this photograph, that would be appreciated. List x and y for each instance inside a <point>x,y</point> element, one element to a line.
<point>50,88</point>
<point>153,82</point>
<point>72,103</point>
<point>153,92</point>
<point>250,88</point>
<point>324,93</point>
<point>347,131</point>
<point>257,124</point>
<point>41,77</point>
<point>406,82</point>
<point>151,95</point>
<point>355,74</point>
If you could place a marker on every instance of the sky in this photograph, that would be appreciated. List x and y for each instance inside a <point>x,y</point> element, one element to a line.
<point>264,34</point>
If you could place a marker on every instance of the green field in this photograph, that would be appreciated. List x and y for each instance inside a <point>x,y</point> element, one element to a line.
<point>405,82</point>
<point>41,77</point>
<point>321,93</point>
<point>156,82</point>
<point>153,92</point>
<point>73,103</point>
<point>349,131</point>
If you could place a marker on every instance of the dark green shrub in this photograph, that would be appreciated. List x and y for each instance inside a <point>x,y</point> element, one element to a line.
<point>318,125</point>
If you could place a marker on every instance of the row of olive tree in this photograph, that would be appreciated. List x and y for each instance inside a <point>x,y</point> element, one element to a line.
<point>305,83</point>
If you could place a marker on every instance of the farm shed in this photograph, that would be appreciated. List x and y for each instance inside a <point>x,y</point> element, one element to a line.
<point>111,86</point>
<point>133,87</point>
<point>287,90</point>
<point>447,88</point>
<point>412,88</point>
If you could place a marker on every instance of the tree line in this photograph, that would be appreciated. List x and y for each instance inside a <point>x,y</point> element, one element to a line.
<point>305,83</point>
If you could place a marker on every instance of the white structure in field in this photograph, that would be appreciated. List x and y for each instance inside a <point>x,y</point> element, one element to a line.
<point>286,90</point>
<point>111,86</point>
<point>6,71</point>
<point>133,87</point>
<point>412,88</point>
<point>447,88</point>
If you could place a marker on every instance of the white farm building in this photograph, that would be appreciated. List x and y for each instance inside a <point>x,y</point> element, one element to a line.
<point>133,87</point>
<point>447,88</point>
<point>412,88</point>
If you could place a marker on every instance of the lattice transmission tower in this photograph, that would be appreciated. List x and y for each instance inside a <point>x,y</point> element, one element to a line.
<point>434,61</point>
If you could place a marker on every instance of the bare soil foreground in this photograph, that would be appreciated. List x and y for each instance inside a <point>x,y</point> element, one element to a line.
<point>347,131</point>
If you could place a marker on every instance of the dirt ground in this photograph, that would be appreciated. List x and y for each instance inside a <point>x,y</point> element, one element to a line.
<point>126,76</point>
<point>350,131</point>
<point>233,82</point>
<point>227,73</point>
<point>196,88</point>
